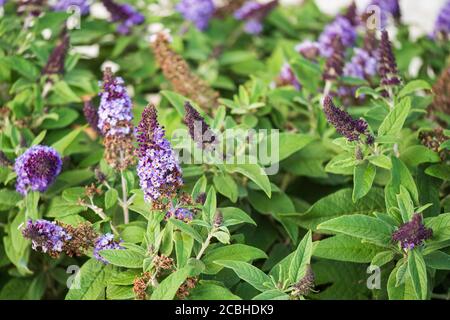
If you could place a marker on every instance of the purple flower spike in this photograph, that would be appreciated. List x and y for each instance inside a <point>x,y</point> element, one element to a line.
<point>287,77</point>
<point>413,233</point>
<point>253,13</point>
<point>345,125</point>
<point>340,27</point>
<point>387,66</point>
<point>56,60</point>
<point>91,115</point>
<point>37,169</point>
<point>105,242</point>
<point>125,14</point>
<point>199,130</point>
<point>180,214</point>
<point>114,111</point>
<point>46,236</point>
<point>361,66</point>
<point>442,25</point>
<point>198,12</point>
<point>308,49</point>
<point>158,170</point>
<point>64,5</point>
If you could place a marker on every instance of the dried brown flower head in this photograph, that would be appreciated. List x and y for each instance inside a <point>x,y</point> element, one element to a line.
<point>140,286</point>
<point>186,287</point>
<point>183,80</point>
<point>119,151</point>
<point>82,238</point>
<point>433,140</point>
<point>441,89</point>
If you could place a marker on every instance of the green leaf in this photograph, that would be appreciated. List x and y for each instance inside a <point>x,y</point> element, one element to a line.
<point>273,294</point>
<point>440,171</point>
<point>62,144</point>
<point>63,94</point>
<point>8,199</point>
<point>250,274</point>
<point>415,155</point>
<point>210,291</point>
<point>405,204</point>
<point>400,175</point>
<point>232,216</point>
<point>39,138</point>
<point>286,144</point>
<point>301,259</point>
<point>360,226</point>
<point>31,203</point>
<point>226,185</point>
<point>440,226</point>
<point>222,236</point>
<point>382,258</point>
<point>210,206</point>
<point>90,281</point>
<point>177,100</point>
<point>345,248</point>
<point>417,270</point>
<point>364,174</point>
<point>404,291</point>
<point>338,204</point>
<point>254,172</point>
<point>234,252</point>
<point>111,197</point>
<point>394,121</point>
<point>438,260</point>
<point>413,86</point>
<point>183,247</point>
<point>186,229</point>
<point>167,289</point>
<point>123,258</point>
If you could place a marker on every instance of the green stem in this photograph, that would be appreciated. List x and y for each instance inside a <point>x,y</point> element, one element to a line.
<point>205,244</point>
<point>126,214</point>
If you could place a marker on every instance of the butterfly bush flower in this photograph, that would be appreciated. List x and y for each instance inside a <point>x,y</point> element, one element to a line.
<point>199,130</point>
<point>335,63</point>
<point>176,70</point>
<point>308,49</point>
<point>55,63</point>
<point>64,5</point>
<point>341,27</point>
<point>37,169</point>
<point>158,169</point>
<point>91,115</point>
<point>198,12</point>
<point>442,24</point>
<point>105,242</point>
<point>287,77</point>
<point>344,123</point>
<point>46,236</point>
<point>387,66</point>
<point>115,121</point>
<point>412,233</point>
<point>180,214</point>
<point>253,14</point>
<point>125,14</point>
<point>387,8</point>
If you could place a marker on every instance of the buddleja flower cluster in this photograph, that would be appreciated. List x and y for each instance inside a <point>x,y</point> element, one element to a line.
<point>442,25</point>
<point>344,123</point>
<point>198,12</point>
<point>253,13</point>
<point>114,121</point>
<point>37,168</point>
<point>55,63</point>
<point>125,14</point>
<point>159,173</point>
<point>64,5</point>
<point>413,233</point>
<point>54,238</point>
<point>199,130</point>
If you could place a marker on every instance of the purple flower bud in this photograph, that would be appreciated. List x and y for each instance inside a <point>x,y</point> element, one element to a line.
<point>387,66</point>
<point>64,5</point>
<point>125,14</point>
<point>340,27</point>
<point>114,113</point>
<point>46,236</point>
<point>442,24</point>
<point>335,63</point>
<point>343,122</point>
<point>91,115</point>
<point>413,233</point>
<point>55,63</point>
<point>37,169</point>
<point>158,169</point>
<point>306,284</point>
<point>253,13</point>
<point>105,242</point>
<point>287,77</point>
<point>308,49</point>
<point>198,12</point>
<point>199,130</point>
<point>180,214</point>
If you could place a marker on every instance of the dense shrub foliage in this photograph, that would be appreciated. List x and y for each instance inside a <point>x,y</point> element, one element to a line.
<point>104,104</point>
